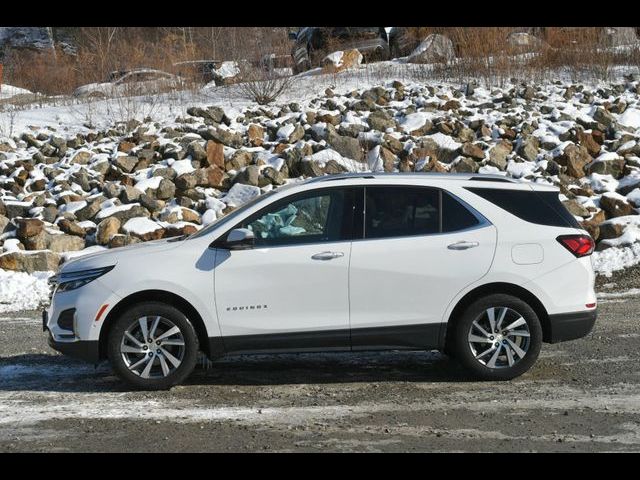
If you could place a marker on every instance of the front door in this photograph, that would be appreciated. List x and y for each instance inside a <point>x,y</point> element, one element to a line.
<point>290,292</point>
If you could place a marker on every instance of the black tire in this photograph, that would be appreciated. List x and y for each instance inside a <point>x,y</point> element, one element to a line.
<point>462,349</point>
<point>151,309</point>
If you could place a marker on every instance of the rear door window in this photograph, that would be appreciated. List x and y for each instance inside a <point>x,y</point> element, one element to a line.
<point>401,211</point>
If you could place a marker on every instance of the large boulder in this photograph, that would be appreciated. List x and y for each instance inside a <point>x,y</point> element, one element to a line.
<point>575,158</point>
<point>107,228</point>
<point>30,262</point>
<point>433,49</point>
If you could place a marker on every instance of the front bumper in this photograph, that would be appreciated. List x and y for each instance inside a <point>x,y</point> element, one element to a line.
<point>569,326</point>
<point>87,350</point>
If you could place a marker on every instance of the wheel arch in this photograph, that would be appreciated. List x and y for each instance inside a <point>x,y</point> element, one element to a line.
<point>160,296</point>
<point>492,288</point>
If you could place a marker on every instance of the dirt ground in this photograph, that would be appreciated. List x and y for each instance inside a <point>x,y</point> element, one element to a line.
<point>581,396</point>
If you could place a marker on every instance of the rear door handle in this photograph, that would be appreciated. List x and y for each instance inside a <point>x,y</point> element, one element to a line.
<point>462,245</point>
<point>327,255</point>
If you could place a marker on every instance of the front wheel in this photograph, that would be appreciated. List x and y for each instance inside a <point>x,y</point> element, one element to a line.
<point>153,346</point>
<point>498,337</point>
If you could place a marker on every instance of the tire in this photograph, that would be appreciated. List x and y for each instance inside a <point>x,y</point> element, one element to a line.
<point>173,359</point>
<point>497,356</point>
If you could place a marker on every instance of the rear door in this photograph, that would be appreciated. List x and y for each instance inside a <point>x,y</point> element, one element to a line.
<point>420,246</point>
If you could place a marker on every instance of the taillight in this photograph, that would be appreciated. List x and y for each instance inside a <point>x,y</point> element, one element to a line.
<point>579,245</point>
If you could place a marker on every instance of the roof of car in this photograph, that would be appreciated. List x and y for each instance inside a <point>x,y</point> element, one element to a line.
<point>411,176</point>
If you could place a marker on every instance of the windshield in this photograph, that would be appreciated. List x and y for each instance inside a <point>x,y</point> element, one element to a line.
<point>230,217</point>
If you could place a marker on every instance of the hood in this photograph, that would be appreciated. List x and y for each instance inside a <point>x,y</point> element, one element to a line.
<point>116,255</point>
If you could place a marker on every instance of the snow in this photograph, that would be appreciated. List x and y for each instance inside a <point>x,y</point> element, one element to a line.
<point>630,118</point>
<point>109,210</point>
<point>613,259</point>
<point>81,253</point>
<point>140,226</point>
<point>181,166</point>
<point>227,69</point>
<point>8,91</point>
<point>23,291</point>
<point>415,121</point>
<point>286,131</point>
<point>153,183</point>
<point>444,141</point>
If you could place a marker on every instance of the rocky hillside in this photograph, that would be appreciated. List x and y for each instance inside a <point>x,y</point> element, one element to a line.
<point>142,181</point>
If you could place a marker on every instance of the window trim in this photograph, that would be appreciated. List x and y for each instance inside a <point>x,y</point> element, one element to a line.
<point>482,220</point>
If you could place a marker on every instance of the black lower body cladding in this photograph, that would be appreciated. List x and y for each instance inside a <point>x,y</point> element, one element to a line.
<point>570,326</point>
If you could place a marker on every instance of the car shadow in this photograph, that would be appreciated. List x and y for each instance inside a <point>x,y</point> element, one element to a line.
<point>57,373</point>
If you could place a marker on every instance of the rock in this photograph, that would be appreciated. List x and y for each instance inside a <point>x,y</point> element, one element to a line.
<point>574,158</point>
<point>450,105</point>
<point>613,166</point>
<point>122,241</point>
<point>222,135</point>
<point>215,154</point>
<point>240,159</point>
<point>275,177</point>
<point>152,204</point>
<point>82,157</point>
<point>30,262</point>
<point>64,243</point>
<point>126,163</point>
<point>107,228</point>
<point>346,146</point>
<point>28,227</point>
<point>608,230</point>
<point>90,210</point>
<point>166,190</point>
<point>473,151</point>
<point>197,151</point>
<point>15,209</point>
<point>133,211</point>
<point>309,168</point>
<point>187,181</point>
<point>528,148</point>
<point>4,223</point>
<point>341,60</point>
<point>604,117</point>
<point>129,194</point>
<point>210,177</point>
<point>589,143</point>
<point>144,229</point>
<point>524,42</point>
<point>256,135</point>
<point>615,207</point>
<point>465,165</point>
<point>72,228</point>
<point>125,146</point>
<point>498,155</point>
<point>215,114</point>
<point>575,208</point>
<point>381,120</point>
<point>434,48</point>
<point>249,176</point>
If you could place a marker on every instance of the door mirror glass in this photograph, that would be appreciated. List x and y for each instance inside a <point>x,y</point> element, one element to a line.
<point>238,239</point>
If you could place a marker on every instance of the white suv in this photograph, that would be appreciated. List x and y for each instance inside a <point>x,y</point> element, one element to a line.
<point>481,267</point>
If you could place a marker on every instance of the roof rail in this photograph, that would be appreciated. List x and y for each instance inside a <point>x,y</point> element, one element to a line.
<point>486,177</point>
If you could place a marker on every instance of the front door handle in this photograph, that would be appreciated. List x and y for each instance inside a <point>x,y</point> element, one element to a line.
<point>327,255</point>
<point>462,245</point>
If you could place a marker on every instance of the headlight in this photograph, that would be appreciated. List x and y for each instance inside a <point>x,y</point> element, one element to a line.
<point>72,280</point>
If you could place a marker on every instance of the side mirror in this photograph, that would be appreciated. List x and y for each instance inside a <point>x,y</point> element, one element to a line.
<point>238,239</point>
<point>293,35</point>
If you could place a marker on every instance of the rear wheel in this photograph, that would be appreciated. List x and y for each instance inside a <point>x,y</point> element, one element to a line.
<point>497,337</point>
<point>153,346</point>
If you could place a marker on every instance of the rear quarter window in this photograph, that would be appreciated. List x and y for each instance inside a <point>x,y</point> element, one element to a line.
<point>541,208</point>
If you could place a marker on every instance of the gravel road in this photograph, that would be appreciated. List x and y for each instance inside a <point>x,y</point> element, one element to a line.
<point>581,396</point>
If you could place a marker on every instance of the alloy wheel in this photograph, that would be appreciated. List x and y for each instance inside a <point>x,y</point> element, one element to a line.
<point>499,337</point>
<point>152,347</point>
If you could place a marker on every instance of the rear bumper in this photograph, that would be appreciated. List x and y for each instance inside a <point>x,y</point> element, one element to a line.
<point>86,350</point>
<point>569,326</point>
